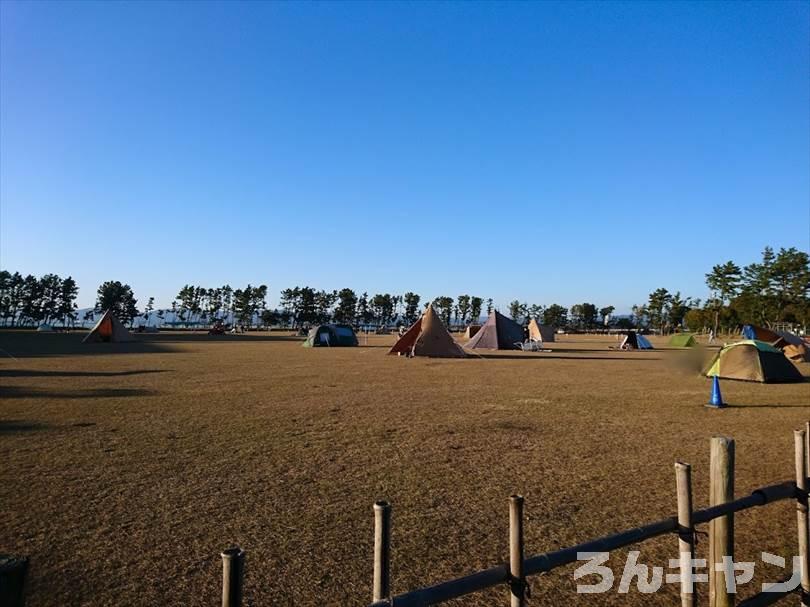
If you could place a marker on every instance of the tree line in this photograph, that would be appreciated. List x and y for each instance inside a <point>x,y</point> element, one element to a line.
<point>31,301</point>
<point>199,305</point>
<point>773,290</point>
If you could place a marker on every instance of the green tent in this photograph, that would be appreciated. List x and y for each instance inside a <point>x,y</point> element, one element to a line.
<point>683,340</point>
<point>752,360</point>
<point>331,336</point>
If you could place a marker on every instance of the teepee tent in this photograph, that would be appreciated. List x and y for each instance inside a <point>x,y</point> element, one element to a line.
<point>795,347</point>
<point>753,360</point>
<point>498,333</point>
<point>750,332</point>
<point>792,345</point>
<point>538,332</point>
<point>683,340</point>
<point>471,330</point>
<point>428,337</point>
<point>108,329</point>
<point>797,353</point>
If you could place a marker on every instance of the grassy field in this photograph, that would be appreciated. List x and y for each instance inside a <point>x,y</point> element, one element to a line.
<point>128,467</point>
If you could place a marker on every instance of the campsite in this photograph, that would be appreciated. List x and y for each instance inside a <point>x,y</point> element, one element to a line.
<point>398,304</point>
<point>142,460</point>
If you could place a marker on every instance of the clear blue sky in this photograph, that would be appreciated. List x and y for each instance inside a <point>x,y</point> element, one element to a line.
<point>546,152</point>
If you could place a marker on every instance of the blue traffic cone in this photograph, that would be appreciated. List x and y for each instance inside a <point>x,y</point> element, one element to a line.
<point>717,397</point>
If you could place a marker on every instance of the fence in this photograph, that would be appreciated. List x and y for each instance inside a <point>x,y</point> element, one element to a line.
<point>513,575</point>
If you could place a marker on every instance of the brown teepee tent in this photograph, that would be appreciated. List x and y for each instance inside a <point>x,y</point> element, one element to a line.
<point>471,330</point>
<point>539,332</point>
<point>108,329</point>
<point>428,337</point>
<point>498,333</point>
<point>795,348</point>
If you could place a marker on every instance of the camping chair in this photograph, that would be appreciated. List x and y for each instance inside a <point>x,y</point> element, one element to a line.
<point>531,345</point>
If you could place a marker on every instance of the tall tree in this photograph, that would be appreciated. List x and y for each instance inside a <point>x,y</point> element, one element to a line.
<point>678,307</point>
<point>535,311</point>
<point>364,314</point>
<point>227,303</point>
<point>639,316</point>
<point>463,306</point>
<point>475,309</point>
<point>50,289</point>
<point>324,300</point>
<point>67,301</point>
<point>517,311</point>
<point>147,311</point>
<point>555,315</point>
<point>657,308</point>
<point>589,315</point>
<point>382,306</point>
<point>444,308</point>
<point>5,295</point>
<point>411,307</point>
<point>346,307</point>
<point>575,316</point>
<point>31,304</point>
<point>791,280</point>
<point>604,314</point>
<point>119,298</point>
<point>724,280</point>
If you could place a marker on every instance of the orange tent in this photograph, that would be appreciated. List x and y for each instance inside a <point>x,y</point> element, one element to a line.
<point>108,329</point>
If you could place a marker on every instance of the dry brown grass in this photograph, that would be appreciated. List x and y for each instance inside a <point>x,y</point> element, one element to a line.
<point>126,468</point>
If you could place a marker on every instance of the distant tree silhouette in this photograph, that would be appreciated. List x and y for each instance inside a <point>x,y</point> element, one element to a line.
<point>411,307</point>
<point>475,309</point>
<point>119,298</point>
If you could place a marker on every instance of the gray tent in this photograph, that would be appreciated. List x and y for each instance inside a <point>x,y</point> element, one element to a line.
<point>331,336</point>
<point>498,333</point>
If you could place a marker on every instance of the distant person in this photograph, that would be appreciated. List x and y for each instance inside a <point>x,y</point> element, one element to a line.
<point>402,330</point>
<point>711,336</point>
<point>525,333</point>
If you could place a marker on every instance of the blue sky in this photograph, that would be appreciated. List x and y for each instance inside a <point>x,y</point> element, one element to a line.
<point>546,152</point>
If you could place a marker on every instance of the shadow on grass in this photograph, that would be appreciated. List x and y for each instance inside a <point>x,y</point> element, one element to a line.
<point>35,373</point>
<point>27,392</point>
<point>602,350</point>
<point>202,336</point>
<point>29,344</point>
<point>543,356</point>
<point>18,426</point>
<point>731,406</point>
<point>25,344</point>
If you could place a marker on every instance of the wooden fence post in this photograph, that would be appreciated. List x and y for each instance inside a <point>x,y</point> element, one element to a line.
<point>686,532</point>
<point>233,567</point>
<point>721,530</point>
<point>807,446</point>
<point>517,582</point>
<point>382,551</point>
<point>12,580</point>
<point>799,437</point>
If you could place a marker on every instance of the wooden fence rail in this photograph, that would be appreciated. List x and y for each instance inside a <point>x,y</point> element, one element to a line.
<point>514,573</point>
<point>719,514</point>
